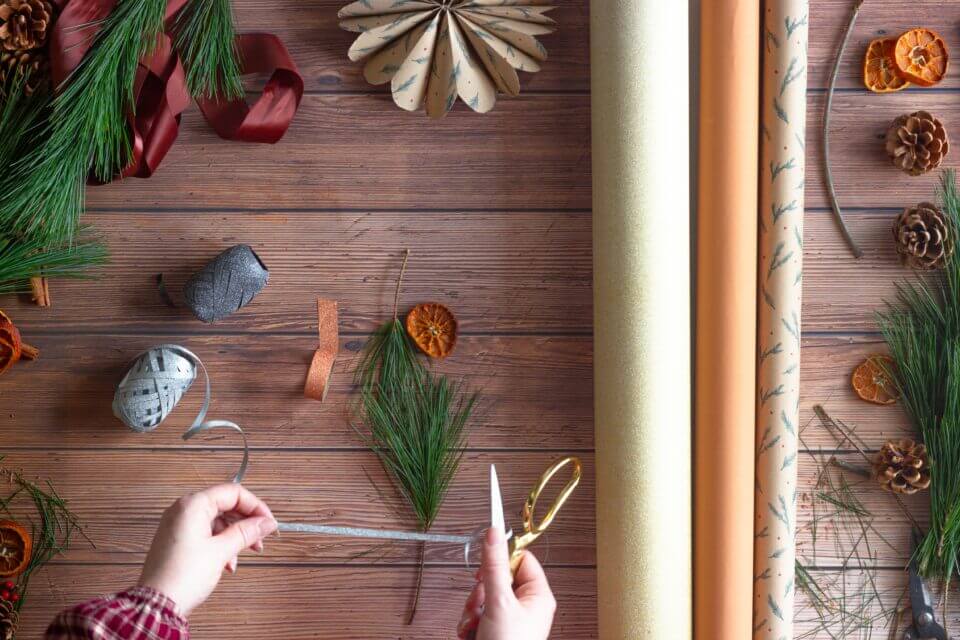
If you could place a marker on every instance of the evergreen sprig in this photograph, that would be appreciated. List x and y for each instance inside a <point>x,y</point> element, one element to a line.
<point>413,420</point>
<point>922,330</point>
<point>25,258</point>
<point>43,193</point>
<point>205,38</point>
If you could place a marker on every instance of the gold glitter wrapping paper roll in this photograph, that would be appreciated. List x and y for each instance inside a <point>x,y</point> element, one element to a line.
<point>726,322</point>
<point>783,118</point>
<point>641,238</point>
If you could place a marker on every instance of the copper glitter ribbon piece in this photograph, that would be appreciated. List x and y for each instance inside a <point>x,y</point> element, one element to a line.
<point>160,90</point>
<point>318,377</point>
<point>154,385</point>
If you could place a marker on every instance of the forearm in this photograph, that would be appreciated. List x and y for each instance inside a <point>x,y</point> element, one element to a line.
<point>135,614</point>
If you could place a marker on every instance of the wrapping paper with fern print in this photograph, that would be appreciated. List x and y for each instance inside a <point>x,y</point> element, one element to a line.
<point>783,119</point>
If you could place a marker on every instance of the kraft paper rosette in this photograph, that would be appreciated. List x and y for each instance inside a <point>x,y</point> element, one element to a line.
<point>726,301</point>
<point>783,116</point>
<point>642,318</point>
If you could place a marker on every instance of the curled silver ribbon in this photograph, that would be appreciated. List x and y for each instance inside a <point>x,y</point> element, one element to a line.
<point>154,385</point>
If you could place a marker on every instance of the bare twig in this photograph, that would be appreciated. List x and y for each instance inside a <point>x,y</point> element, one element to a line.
<point>827,107</point>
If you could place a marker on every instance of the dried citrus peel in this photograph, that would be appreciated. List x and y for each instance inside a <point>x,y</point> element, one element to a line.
<point>871,381</point>
<point>12,348</point>
<point>16,545</point>
<point>433,328</point>
<point>921,57</point>
<point>880,73</point>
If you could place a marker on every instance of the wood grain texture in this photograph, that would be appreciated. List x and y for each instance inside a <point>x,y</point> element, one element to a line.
<point>499,272</point>
<point>120,495</point>
<point>863,173</point>
<point>877,19</point>
<point>319,603</point>
<point>536,392</point>
<point>841,293</point>
<point>353,152</point>
<point>319,46</point>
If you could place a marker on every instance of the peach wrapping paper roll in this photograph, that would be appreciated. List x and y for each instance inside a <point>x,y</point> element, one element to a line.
<point>641,236</point>
<point>726,299</point>
<point>783,116</point>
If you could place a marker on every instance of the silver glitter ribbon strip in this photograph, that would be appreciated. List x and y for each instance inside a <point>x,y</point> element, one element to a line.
<point>386,534</point>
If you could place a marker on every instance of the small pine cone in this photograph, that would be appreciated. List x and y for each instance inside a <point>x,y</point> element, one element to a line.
<point>8,620</point>
<point>902,467</point>
<point>925,237</point>
<point>25,24</point>
<point>917,143</point>
<point>34,65</point>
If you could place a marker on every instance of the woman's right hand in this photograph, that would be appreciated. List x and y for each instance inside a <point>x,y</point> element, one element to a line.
<point>502,607</point>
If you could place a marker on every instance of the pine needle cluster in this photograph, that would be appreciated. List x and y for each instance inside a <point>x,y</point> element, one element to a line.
<point>922,330</point>
<point>205,39</point>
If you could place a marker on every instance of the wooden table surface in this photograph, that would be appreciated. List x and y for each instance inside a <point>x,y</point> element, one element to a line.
<point>496,211</point>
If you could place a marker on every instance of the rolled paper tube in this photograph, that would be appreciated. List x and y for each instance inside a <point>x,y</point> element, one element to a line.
<point>726,302</point>
<point>228,283</point>
<point>155,384</point>
<point>318,377</point>
<point>783,114</point>
<point>642,318</point>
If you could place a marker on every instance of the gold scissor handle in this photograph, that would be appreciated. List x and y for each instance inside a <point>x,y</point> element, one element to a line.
<point>532,529</point>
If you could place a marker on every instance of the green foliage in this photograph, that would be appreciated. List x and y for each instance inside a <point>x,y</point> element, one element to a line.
<point>414,420</point>
<point>43,192</point>
<point>25,258</point>
<point>205,38</point>
<point>922,330</point>
<point>52,529</point>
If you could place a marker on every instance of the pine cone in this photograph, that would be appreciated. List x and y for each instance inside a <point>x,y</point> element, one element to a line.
<point>8,620</point>
<point>25,24</point>
<point>925,237</point>
<point>917,142</point>
<point>902,467</point>
<point>35,64</point>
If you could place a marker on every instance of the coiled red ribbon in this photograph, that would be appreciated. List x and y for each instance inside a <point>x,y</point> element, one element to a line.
<point>161,93</point>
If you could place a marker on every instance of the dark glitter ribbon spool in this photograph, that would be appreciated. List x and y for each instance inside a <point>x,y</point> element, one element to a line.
<point>228,283</point>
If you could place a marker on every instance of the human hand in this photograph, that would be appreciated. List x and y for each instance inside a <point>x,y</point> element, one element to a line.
<point>199,536</point>
<point>502,607</point>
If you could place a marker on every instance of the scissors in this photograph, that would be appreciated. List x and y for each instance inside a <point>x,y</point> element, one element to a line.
<point>925,625</point>
<point>532,529</point>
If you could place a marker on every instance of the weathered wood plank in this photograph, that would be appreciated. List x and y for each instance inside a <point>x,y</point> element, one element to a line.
<point>536,392</point>
<point>840,292</point>
<point>325,603</point>
<point>319,46</point>
<point>361,152</point>
<point>827,363</point>
<point>499,272</point>
<point>119,496</point>
<point>877,19</point>
<point>863,174</point>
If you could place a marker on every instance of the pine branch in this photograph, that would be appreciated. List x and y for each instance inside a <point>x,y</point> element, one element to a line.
<point>205,39</point>
<point>22,259</point>
<point>44,192</point>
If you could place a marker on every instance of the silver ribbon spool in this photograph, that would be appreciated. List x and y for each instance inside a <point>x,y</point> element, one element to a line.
<point>154,385</point>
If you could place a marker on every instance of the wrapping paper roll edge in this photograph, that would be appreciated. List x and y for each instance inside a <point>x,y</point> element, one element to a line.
<point>782,174</point>
<point>641,319</point>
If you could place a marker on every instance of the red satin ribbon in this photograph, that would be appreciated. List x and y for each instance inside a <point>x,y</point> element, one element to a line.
<point>160,89</point>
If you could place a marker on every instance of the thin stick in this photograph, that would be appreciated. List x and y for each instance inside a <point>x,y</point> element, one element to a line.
<point>827,107</point>
<point>396,295</point>
<point>416,595</point>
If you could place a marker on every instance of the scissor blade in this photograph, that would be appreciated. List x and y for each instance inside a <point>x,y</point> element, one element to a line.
<point>496,502</point>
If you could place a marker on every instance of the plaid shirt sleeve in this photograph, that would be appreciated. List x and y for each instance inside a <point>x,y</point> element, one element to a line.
<point>136,614</point>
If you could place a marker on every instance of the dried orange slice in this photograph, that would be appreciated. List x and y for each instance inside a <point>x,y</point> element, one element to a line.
<point>880,73</point>
<point>16,545</point>
<point>871,382</point>
<point>921,57</point>
<point>433,328</point>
